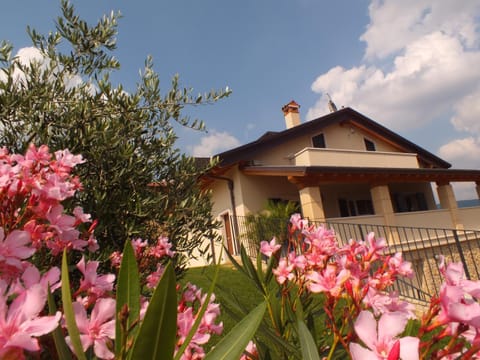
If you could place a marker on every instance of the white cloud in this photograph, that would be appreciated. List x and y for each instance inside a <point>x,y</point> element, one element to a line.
<point>464,153</point>
<point>395,24</point>
<point>467,113</point>
<point>427,80</point>
<point>214,143</point>
<point>420,66</point>
<point>29,55</point>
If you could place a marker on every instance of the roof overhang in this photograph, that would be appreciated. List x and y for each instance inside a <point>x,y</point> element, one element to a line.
<point>315,175</point>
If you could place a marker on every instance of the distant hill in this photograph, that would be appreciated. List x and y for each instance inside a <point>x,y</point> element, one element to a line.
<point>468,203</point>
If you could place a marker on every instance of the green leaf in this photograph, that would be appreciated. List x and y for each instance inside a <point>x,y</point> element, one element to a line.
<point>68,310</point>
<point>157,334</point>
<point>59,339</point>
<point>250,269</point>
<point>128,292</point>
<point>234,343</point>
<point>307,343</point>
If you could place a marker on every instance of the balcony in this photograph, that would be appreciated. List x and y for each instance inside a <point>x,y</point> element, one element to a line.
<point>355,158</point>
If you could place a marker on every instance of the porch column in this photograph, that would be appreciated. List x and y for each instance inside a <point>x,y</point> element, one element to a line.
<point>382,203</point>
<point>312,205</point>
<point>448,201</point>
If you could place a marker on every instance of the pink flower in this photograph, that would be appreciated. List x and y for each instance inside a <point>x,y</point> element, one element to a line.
<point>154,278</point>
<point>99,330</point>
<point>20,323</point>
<point>268,248</point>
<point>284,271</point>
<point>93,283</point>
<point>138,246</point>
<point>400,266</point>
<point>297,222</point>
<point>383,344</point>
<point>31,276</point>
<point>251,352</point>
<point>162,248</point>
<point>13,250</point>
<point>328,280</point>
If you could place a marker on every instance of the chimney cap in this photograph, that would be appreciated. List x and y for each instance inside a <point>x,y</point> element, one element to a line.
<point>291,107</point>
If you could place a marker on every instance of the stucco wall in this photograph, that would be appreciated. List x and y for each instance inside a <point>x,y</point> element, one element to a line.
<point>336,137</point>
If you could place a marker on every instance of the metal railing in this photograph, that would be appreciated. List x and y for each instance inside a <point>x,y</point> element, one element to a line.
<point>420,246</point>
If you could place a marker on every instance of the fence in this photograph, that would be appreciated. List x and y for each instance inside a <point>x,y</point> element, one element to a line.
<point>420,246</point>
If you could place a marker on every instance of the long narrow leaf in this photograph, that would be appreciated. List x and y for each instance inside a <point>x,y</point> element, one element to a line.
<point>307,344</point>
<point>156,337</point>
<point>128,292</point>
<point>234,343</point>
<point>58,338</point>
<point>235,262</point>
<point>68,310</point>
<point>250,269</point>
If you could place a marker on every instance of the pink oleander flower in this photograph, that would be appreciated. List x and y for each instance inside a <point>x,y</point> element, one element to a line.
<point>154,278</point>
<point>99,330</point>
<point>92,283</point>
<point>297,222</point>
<point>14,249</point>
<point>381,303</point>
<point>251,352</point>
<point>116,258</point>
<point>400,266</point>
<point>284,271</point>
<point>162,248</point>
<point>328,280</point>
<point>138,246</point>
<point>375,247</point>
<point>20,323</point>
<point>31,276</point>
<point>269,248</point>
<point>383,344</point>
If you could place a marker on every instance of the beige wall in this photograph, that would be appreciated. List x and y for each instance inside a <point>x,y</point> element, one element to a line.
<point>336,137</point>
<point>426,219</point>
<point>470,217</point>
<point>355,158</point>
<point>350,137</point>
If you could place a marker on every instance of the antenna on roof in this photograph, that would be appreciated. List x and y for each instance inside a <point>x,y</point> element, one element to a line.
<point>331,105</point>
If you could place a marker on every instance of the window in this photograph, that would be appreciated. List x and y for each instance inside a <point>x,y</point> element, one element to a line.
<point>318,141</point>
<point>405,202</point>
<point>369,145</point>
<point>355,207</point>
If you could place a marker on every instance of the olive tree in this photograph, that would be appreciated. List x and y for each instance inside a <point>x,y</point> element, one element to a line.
<point>136,181</point>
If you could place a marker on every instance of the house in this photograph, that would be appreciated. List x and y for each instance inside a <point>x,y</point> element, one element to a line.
<point>341,167</point>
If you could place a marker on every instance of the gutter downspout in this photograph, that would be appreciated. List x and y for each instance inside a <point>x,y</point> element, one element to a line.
<point>234,208</point>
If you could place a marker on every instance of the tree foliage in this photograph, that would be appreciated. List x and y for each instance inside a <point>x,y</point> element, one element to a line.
<point>137,182</point>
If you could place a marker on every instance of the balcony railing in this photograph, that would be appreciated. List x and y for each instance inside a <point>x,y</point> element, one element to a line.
<point>420,246</point>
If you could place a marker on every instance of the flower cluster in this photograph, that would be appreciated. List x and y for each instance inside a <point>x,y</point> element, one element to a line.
<point>315,262</point>
<point>34,226</point>
<point>356,278</point>
<point>187,313</point>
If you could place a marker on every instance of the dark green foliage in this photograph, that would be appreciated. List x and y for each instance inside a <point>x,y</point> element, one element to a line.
<point>136,183</point>
<point>271,222</point>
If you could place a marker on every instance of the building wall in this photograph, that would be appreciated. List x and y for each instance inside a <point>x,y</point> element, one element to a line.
<point>336,137</point>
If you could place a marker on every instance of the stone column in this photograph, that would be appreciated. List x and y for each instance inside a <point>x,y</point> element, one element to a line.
<point>448,201</point>
<point>382,204</point>
<point>312,205</point>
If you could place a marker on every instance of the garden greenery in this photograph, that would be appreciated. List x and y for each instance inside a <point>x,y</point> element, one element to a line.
<point>136,180</point>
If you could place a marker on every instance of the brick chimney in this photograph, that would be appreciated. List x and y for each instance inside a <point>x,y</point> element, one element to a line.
<point>291,113</point>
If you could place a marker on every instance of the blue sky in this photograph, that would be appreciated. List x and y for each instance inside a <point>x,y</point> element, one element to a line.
<point>411,65</point>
